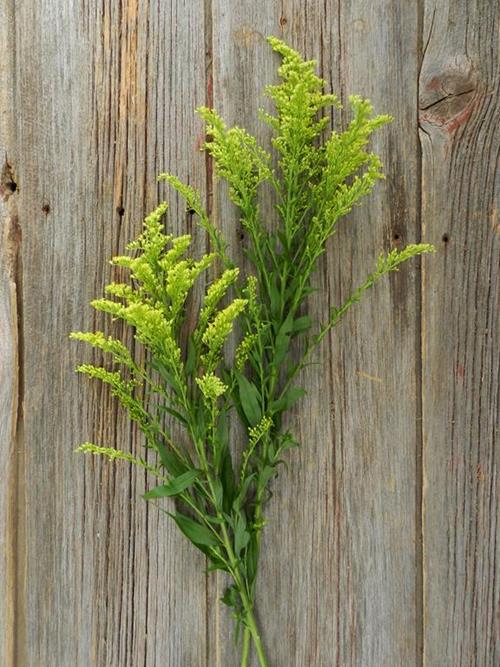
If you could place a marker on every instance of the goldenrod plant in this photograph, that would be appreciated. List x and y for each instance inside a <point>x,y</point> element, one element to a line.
<point>184,374</point>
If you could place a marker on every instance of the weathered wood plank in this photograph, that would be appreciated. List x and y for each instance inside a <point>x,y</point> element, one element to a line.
<point>105,92</point>
<point>10,439</point>
<point>9,407</point>
<point>9,353</point>
<point>375,369</point>
<point>338,584</point>
<point>459,103</point>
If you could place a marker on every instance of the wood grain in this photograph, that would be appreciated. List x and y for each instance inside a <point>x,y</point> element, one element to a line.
<point>10,382</point>
<point>459,112</point>
<point>106,104</point>
<point>382,545</point>
<point>375,369</point>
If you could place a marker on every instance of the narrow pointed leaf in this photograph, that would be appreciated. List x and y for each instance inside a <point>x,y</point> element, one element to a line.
<point>198,534</point>
<point>174,486</point>
<point>250,399</point>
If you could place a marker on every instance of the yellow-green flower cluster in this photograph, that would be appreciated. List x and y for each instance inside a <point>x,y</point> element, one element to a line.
<point>180,245</point>
<point>153,239</point>
<point>250,293</point>
<point>219,329</point>
<point>237,158</point>
<point>214,295</point>
<point>116,455</point>
<point>243,350</point>
<point>121,389</point>
<point>123,291</point>
<point>297,99</point>
<point>257,432</point>
<point>211,386</point>
<point>180,279</point>
<point>107,344</point>
<point>194,205</point>
<point>151,328</point>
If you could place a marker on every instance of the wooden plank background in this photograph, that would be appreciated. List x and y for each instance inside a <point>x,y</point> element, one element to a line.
<point>383,545</point>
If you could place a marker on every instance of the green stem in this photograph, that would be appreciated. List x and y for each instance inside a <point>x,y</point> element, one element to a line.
<point>245,648</point>
<point>246,600</point>
<point>254,631</point>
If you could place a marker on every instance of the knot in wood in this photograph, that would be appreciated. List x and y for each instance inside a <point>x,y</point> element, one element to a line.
<point>447,92</point>
<point>8,184</point>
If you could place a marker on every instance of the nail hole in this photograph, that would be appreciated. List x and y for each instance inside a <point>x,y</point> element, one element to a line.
<point>396,236</point>
<point>46,208</point>
<point>120,210</point>
<point>445,238</point>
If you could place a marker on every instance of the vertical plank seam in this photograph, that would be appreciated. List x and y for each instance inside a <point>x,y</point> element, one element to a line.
<point>19,529</point>
<point>147,559</point>
<point>419,365</point>
<point>208,36</point>
<point>17,517</point>
<point>15,520</point>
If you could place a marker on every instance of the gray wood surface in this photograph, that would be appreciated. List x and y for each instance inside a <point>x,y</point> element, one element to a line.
<point>459,116</point>
<point>382,547</point>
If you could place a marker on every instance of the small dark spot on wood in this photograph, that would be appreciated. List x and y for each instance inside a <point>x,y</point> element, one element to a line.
<point>396,236</point>
<point>242,236</point>
<point>445,238</point>
<point>46,208</point>
<point>190,211</point>
<point>12,186</point>
<point>121,211</point>
<point>283,21</point>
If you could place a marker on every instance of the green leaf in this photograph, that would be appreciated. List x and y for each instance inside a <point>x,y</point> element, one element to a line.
<point>191,357</point>
<point>219,493</point>
<point>214,519</point>
<point>249,399</point>
<point>280,349</point>
<point>199,535</point>
<point>216,564</point>
<point>174,486</point>
<point>174,413</point>
<point>282,342</point>
<point>275,297</point>
<point>165,374</point>
<point>286,402</point>
<point>239,501</point>
<point>241,535</point>
<point>302,324</point>
<point>266,474</point>
<point>252,558</point>
<point>227,479</point>
<point>230,597</point>
<point>169,459</point>
<point>222,439</point>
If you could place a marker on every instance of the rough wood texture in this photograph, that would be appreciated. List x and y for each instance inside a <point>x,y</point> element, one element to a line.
<point>104,104</point>
<point>10,381</point>
<point>382,545</point>
<point>459,114</point>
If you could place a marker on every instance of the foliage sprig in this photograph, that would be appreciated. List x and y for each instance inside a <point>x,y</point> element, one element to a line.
<point>183,374</point>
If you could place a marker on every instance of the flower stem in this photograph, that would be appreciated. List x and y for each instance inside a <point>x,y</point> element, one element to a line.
<point>245,648</point>
<point>254,631</point>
